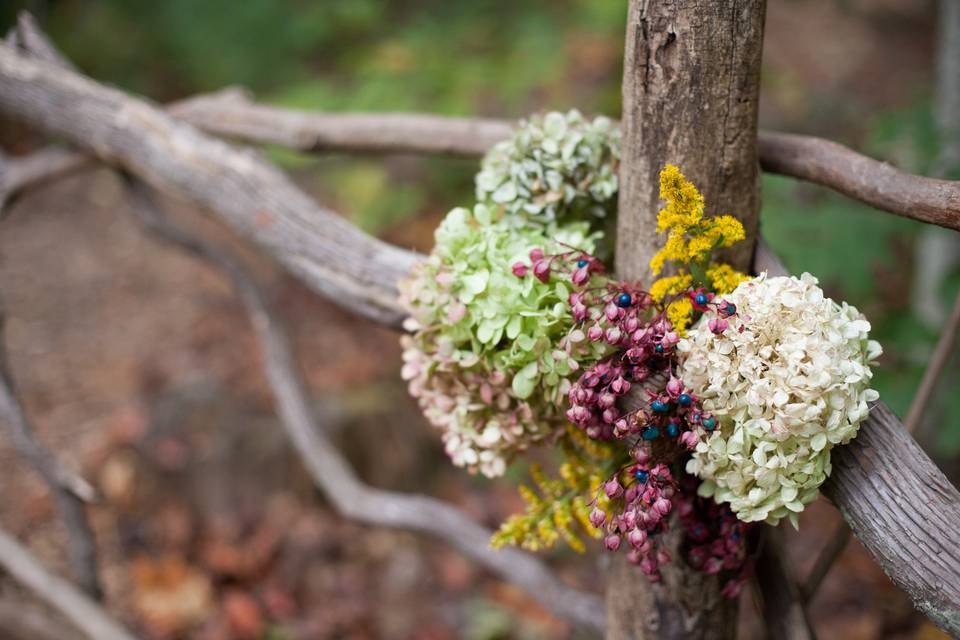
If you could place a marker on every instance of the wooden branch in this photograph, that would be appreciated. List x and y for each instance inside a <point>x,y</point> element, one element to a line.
<point>330,470</point>
<point>828,555</point>
<point>931,376</point>
<point>68,491</point>
<point>346,132</point>
<point>898,503</point>
<point>784,615</point>
<point>78,608</point>
<point>865,179</point>
<point>328,253</point>
<point>27,37</point>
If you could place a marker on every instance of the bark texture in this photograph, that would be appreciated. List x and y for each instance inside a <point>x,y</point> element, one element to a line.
<point>690,89</point>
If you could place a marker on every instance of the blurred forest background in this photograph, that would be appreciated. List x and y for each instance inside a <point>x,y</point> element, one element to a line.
<point>139,368</point>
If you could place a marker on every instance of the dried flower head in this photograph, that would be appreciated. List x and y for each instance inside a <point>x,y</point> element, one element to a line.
<point>489,359</point>
<point>787,379</point>
<point>555,166</point>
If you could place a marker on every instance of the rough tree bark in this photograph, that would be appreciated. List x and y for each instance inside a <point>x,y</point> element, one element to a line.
<point>690,90</point>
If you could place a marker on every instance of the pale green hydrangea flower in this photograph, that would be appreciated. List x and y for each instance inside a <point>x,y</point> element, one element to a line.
<point>555,165</point>
<point>488,359</point>
<point>788,388</point>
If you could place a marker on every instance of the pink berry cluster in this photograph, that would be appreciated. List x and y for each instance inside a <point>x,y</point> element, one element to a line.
<point>642,351</point>
<point>715,540</point>
<point>645,500</point>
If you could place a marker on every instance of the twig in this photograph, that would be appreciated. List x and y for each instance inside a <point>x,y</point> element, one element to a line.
<point>330,470</point>
<point>27,36</point>
<point>938,361</point>
<point>82,611</point>
<point>824,562</point>
<point>784,613</point>
<point>68,490</point>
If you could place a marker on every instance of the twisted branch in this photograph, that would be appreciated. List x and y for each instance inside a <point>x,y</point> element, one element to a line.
<point>330,470</point>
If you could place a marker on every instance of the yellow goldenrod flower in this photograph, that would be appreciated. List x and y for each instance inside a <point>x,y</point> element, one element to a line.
<point>679,312</point>
<point>724,278</point>
<point>671,286</point>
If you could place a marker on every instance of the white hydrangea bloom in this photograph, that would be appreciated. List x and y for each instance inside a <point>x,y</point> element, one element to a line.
<point>555,165</point>
<point>785,390</point>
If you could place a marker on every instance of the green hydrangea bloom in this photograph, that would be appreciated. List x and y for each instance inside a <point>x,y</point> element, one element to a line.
<point>489,359</point>
<point>555,165</point>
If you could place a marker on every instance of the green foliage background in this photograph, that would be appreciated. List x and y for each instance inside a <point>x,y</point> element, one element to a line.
<point>503,58</point>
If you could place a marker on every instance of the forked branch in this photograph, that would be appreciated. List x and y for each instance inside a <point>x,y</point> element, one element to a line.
<point>331,471</point>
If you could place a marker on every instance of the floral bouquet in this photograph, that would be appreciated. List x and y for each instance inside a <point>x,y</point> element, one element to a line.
<point>708,400</point>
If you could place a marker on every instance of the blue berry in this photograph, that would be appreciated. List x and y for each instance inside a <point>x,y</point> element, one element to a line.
<point>641,475</point>
<point>673,430</point>
<point>658,348</point>
<point>709,423</point>
<point>582,263</point>
<point>731,308</point>
<point>624,300</point>
<point>659,406</point>
<point>685,400</point>
<point>650,433</point>
<point>702,299</point>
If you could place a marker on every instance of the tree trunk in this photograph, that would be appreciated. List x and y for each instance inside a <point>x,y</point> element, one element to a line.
<point>690,90</point>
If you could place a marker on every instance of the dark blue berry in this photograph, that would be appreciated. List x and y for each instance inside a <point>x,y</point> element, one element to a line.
<point>641,475</point>
<point>658,348</point>
<point>582,263</point>
<point>685,400</point>
<point>624,300</point>
<point>709,423</point>
<point>659,406</point>
<point>731,309</point>
<point>702,299</point>
<point>650,433</point>
<point>673,430</point>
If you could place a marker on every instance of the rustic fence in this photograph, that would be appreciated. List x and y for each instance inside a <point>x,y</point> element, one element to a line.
<point>690,97</point>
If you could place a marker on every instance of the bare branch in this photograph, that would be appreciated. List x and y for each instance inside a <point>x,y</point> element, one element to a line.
<point>327,252</point>
<point>67,489</point>
<point>83,612</point>
<point>828,555</point>
<point>28,38</point>
<point>330,470</point>
<point>898,503</point>
<point>931,376</point>
<point>865,179</point>
<point>783,612</point>
<point>346,132</point>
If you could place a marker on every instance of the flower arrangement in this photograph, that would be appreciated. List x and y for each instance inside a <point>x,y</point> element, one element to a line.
<point>706,402</point>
